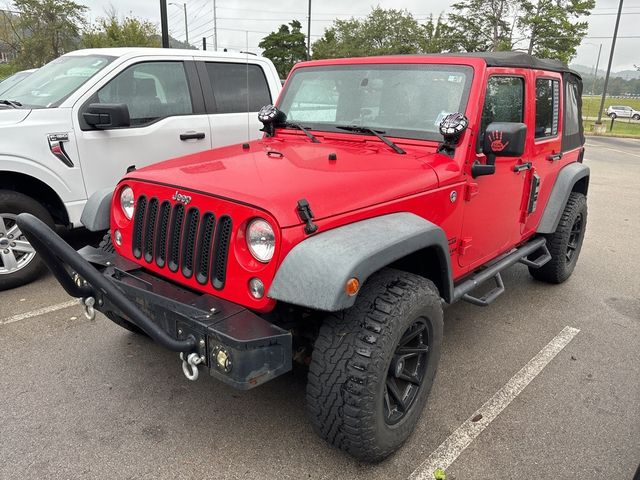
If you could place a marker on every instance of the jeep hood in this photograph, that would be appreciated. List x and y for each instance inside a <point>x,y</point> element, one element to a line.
<point>11,116</point>
<point>273,174</point>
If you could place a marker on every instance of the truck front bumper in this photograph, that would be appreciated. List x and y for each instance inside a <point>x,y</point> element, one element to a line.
<point>237,346</point>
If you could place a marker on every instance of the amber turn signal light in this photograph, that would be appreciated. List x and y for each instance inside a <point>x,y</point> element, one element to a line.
<point>352,286</point>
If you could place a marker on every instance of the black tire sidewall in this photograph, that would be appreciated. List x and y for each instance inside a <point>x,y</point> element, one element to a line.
<point>17,203</point>
<point>390,437</point>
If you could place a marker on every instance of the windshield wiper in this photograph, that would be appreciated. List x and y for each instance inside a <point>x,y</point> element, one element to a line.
<point>300,127</point>
<point>377,133</point>
<point>11,103</point>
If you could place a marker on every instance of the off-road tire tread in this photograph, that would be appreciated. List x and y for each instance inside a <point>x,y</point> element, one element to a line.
<point>556,269</point>
<point>338,399</point>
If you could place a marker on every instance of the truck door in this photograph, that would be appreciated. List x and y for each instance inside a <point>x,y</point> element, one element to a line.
<point>493,202</point>
<point>167,115</point>
<point>234,93</point>
<point>546,150</point>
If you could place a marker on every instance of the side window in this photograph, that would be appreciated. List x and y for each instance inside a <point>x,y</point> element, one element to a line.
<point>571,116</point>
<point>238,87</point>
<point>151,90</point>
<point>504,102</point>
<point>547,107</point>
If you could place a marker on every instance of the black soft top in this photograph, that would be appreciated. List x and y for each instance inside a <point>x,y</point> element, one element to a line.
<point>517,60</point>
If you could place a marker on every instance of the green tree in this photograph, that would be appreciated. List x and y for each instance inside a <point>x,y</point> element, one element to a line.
<point>435,36</point>
<point>112,31</point>
<point>285,47</point>
<point>481,25</point>
<point>45,29</point>
<point>382,32</point>
<point>552,26</point>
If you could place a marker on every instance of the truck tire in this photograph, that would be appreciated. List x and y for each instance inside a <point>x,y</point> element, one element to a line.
<point>636,116</point>
<point>107,245</point>
<point>613,115</point>
<point>373,365</point>
<point>19,263</point>
<point>565,243</point>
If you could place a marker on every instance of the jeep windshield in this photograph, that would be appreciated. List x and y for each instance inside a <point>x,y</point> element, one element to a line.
<point>403,100</point>
<point>50,85</point>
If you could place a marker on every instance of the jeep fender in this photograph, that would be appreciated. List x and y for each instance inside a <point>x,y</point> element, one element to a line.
<point>565,182</point>
<point>315,272</point>
<point>96,215</point>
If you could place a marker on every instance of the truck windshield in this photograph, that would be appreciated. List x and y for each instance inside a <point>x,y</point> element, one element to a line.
<point>404,100</point>
<point>48,86</point>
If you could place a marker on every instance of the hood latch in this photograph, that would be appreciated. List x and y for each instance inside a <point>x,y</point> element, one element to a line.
<point>306,215</point>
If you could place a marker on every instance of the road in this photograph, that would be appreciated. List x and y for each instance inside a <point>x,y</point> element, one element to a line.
<point>86,399</point>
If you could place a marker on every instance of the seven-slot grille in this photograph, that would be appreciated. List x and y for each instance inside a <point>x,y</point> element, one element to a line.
<point>182,239</point>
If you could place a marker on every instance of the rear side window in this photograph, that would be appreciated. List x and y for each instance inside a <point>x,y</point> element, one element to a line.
<point>151,90</point>
<point>238,87</point>
<point>503,102</point>
<point>547,107</point>
<point>572,114</point>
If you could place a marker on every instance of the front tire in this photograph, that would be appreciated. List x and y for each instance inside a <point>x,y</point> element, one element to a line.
<point>565,243</point>
<point>19,262</point>
<point>373,365</point>
<point>636,117</point>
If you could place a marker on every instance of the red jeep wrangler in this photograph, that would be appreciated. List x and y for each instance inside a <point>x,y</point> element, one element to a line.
<point>383,189</point>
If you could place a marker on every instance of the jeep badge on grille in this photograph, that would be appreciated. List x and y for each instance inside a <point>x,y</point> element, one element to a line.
<point>178,197</point>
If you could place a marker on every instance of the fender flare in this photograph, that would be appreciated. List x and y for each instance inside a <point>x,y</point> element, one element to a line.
<point>96,215</point>
<point>314,273</point>
<point>562,188</point>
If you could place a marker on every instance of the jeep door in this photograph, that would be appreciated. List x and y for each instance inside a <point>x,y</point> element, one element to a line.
<point>492,215</point>
<point>167,119</point>
<point>234,93</point>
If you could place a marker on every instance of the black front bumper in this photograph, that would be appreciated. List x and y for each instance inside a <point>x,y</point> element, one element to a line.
<point>236,345</point>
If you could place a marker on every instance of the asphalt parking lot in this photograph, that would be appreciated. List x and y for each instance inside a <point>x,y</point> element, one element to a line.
<point>87,399</point>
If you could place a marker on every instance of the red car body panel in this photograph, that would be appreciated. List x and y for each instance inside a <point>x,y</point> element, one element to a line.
<point>482,217</point>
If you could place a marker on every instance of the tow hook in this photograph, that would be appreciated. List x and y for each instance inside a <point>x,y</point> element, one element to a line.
<point>88,304</point>
<point>190,365</point>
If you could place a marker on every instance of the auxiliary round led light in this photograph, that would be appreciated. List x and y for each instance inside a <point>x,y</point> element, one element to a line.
<point>127,202</point>
<point>117,236</point>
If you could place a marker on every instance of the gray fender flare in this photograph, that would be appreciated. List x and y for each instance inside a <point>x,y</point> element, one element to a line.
<point>567,178</point>
<point>315,272</point>
<point>96,214</point>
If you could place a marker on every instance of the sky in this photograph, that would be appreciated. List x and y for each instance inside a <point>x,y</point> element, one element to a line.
<point>241,24</point>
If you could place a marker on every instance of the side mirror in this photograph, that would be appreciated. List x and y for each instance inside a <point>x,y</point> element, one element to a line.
<point>102,116</point>
<point>501,139</point>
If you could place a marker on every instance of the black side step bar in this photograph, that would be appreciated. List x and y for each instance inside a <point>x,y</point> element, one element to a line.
<point>462,291</point>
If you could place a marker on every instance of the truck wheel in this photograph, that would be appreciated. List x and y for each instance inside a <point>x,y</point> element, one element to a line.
<point>19,262</point>
<point>613,115</point>
<point>373,365</point>
<point>636,116</point>
<point>565,243</point>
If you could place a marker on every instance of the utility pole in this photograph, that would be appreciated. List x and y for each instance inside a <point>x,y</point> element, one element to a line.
<point>204,43</point>
<point>309,33</point>
<point>606,78</point>
<point>186,28</point>
<point>164,24</point>
<point>215,27</point>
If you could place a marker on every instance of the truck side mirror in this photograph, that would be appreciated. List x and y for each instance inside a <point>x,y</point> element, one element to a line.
<point>102,116</point>
<point>501,139</point>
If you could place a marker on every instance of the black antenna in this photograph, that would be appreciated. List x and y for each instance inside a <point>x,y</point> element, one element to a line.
<point>248,106</point>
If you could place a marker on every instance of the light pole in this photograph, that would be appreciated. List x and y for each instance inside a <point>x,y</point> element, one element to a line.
<point>606,78</point>
<point>215,27</point>
<point>186,28</point>
<point>309,33</point>
<point>164,24</point>
<point>595,71</point>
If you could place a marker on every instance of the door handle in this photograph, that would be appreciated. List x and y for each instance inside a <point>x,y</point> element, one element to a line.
<point>191,136</point>
<point>521,167</point>
<point>554,156</point>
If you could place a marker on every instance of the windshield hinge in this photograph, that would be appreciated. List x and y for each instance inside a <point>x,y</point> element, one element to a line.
<point>306,215</point>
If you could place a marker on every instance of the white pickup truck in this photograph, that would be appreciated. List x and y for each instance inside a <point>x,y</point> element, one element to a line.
<point>74,126</point>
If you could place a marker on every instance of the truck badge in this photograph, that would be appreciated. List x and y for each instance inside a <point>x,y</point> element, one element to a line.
<point>184,199</point>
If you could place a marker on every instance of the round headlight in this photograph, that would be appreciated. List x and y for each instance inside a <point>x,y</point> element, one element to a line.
<point>261,240</point>
<point>127,202</point>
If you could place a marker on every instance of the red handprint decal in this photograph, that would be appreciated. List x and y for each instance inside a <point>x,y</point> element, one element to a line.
<point>496,141</point>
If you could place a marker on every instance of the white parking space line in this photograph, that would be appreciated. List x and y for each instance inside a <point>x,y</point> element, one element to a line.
<point>459,440</point>
<point>612,149</point>
<point>39,311</point>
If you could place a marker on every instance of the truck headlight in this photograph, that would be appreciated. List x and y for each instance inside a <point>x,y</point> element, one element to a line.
<point>261,240</point>
<point>127,202</point>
